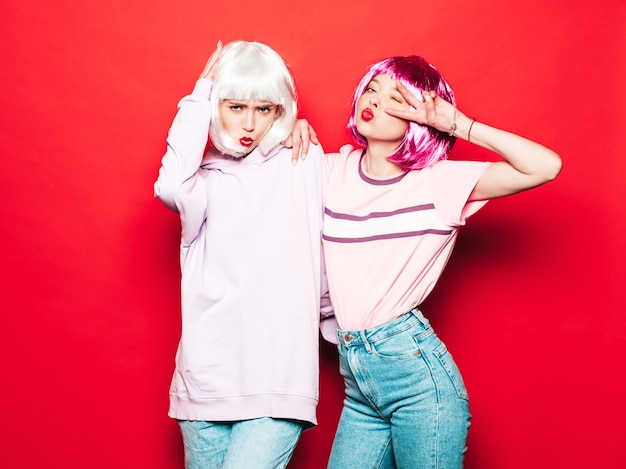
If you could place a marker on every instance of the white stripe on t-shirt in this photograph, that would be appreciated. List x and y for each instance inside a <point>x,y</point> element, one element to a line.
<point>402,223</point>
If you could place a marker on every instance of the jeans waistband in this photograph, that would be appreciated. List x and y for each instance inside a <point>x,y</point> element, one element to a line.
<point>388,329</point>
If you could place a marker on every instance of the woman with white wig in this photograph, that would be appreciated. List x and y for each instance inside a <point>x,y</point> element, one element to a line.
<point>253,286</point>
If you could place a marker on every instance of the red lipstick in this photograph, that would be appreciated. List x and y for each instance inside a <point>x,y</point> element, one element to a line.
<point>245,141</point>
<point>367,114</point>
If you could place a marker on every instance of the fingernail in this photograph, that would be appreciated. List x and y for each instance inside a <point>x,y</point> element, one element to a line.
<point>303,156</point>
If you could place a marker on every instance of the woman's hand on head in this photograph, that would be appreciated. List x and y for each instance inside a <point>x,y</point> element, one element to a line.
<point>211,65</point>
<point>301,136</point>
<point>433,111</point>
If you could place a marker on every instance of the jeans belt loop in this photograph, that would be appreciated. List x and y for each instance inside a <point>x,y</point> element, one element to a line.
<point>419,316</point>
<point>368,346</point>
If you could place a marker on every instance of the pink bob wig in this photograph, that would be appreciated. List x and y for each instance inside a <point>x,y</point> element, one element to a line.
<point>422,145</point>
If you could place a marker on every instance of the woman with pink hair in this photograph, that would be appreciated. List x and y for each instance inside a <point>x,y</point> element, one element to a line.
<point>393,209</point>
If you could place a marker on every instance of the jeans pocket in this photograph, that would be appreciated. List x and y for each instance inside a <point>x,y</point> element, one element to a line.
<point>452,371</point>
<point>400,346</point>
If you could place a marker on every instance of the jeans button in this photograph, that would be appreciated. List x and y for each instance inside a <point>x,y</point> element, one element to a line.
<point>347,337</point>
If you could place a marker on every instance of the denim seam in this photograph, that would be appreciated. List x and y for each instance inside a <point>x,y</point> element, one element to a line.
<point>382,454</point>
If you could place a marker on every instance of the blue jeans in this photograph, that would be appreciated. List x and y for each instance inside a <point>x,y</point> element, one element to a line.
<point>262,443</point>
<point>406,405</point>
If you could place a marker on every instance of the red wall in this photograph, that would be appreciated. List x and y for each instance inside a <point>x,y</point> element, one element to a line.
<point>532,304</point>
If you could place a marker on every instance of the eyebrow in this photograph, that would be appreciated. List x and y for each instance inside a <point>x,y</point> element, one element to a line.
<point>247,102</point>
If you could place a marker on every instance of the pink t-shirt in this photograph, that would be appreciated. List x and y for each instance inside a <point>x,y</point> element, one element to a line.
<point>386,242</point>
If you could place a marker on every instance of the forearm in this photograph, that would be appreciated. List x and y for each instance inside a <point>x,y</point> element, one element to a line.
<point>186,142</point>
<point>526,164</point>
<point>524,155</point>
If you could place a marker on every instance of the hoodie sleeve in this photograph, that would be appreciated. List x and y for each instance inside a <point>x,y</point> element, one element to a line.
<point>179,185</point>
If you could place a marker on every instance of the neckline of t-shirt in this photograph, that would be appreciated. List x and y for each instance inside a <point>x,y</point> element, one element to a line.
<point>378,182</point>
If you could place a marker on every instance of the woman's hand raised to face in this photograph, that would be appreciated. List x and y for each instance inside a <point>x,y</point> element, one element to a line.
<point>433,110</point>
<point>209,68</point>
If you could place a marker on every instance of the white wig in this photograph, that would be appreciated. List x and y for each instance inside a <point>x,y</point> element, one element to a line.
<point>252,71</point>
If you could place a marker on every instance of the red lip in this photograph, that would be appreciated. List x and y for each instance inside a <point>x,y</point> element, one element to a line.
<point>367,114</point>
<point>245,141</point>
